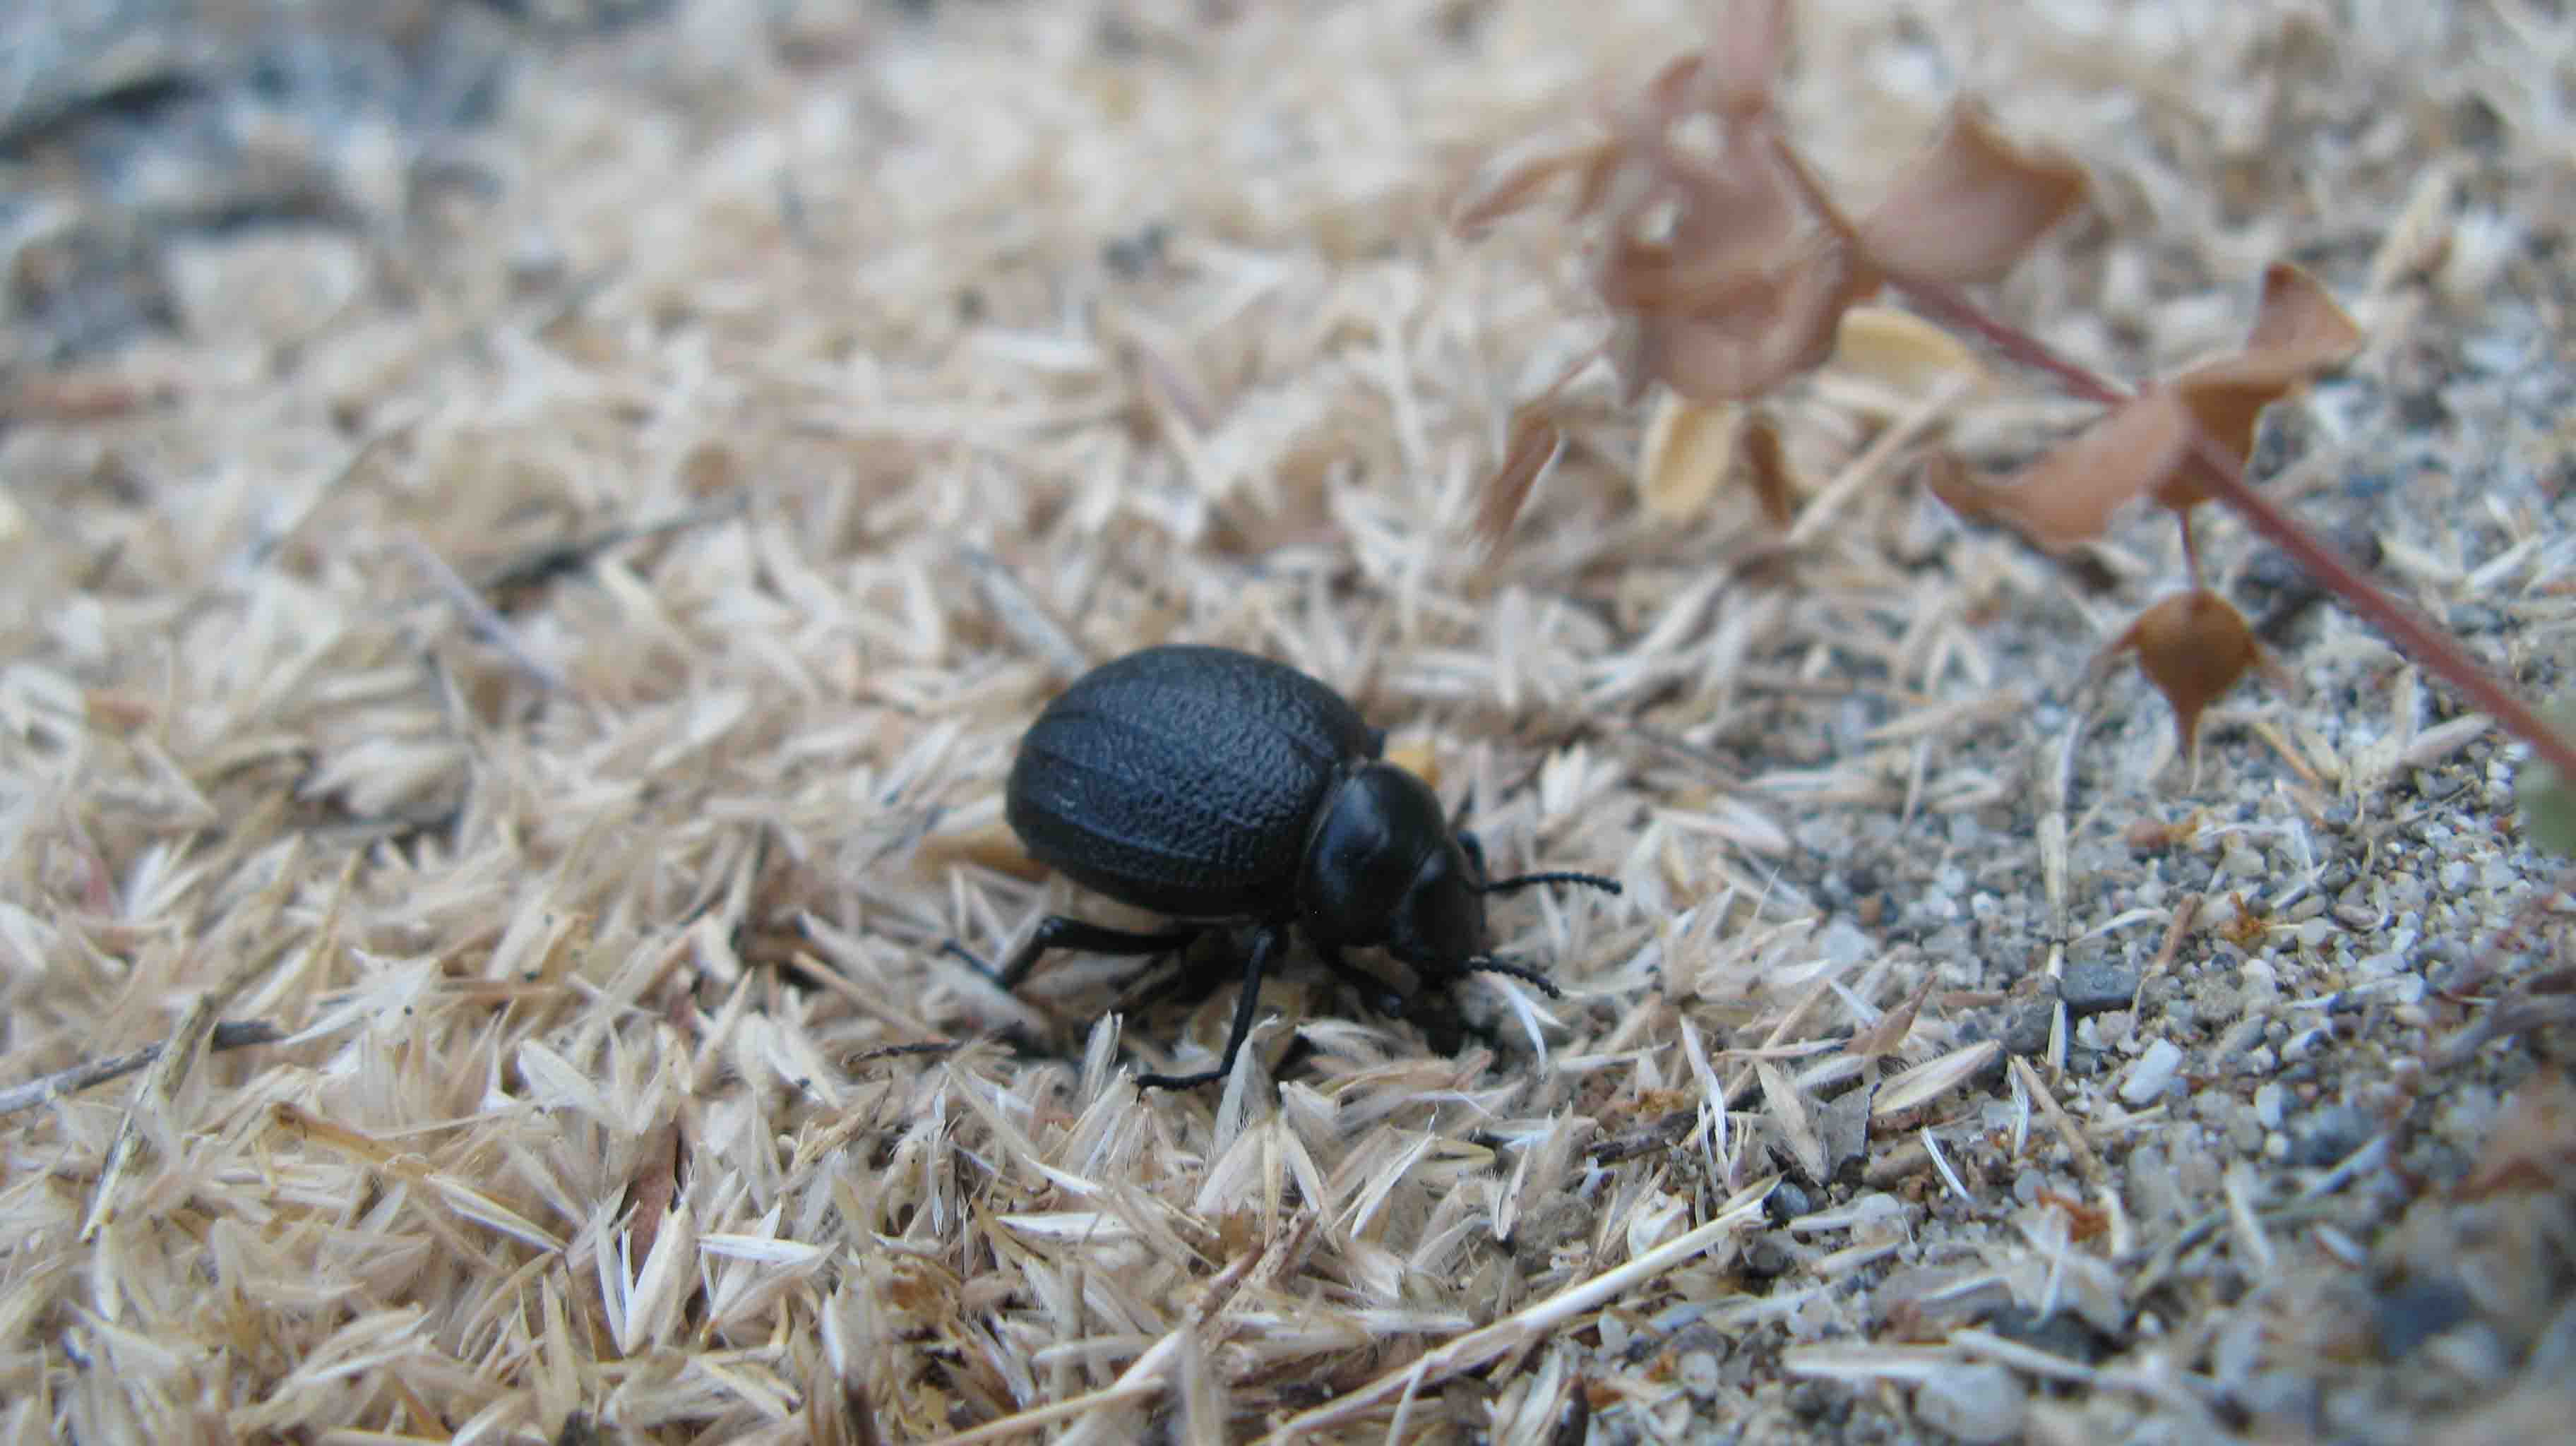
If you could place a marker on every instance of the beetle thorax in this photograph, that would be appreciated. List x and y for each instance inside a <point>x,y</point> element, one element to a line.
<point>1381,867</point>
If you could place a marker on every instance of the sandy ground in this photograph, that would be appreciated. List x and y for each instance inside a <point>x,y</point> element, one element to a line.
<point>530,533</point>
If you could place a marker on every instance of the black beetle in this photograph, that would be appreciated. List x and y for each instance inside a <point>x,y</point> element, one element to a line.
<point>1223,789</point>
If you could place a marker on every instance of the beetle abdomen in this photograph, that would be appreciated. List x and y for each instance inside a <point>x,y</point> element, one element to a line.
<point>1184,779</point>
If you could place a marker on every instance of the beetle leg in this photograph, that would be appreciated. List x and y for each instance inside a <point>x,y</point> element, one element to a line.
<point>1373,990</point>
<point>1057,931</point>
<point>1246,1004</point>
<point>1474,848</point>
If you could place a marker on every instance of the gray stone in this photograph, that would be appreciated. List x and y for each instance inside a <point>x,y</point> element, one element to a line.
<point>2028,1032</point>
<point>2329,1136</point>
<point>2060,1333</point>
<point>1973,1403</point>
<point>2097,988</point>
<point>2154,1070</point>
<point>2408,1315</point>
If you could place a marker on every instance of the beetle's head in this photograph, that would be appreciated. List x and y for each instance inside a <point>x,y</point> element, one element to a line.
<point>1383,868</point>
<point>1439,926</point>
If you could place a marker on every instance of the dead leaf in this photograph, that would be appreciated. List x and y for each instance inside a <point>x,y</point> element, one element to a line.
<point>1520,184</point>
<point>1693,450</point>
<point>1726,223</point>
<point>1744,57</point>
<point>1688,449</point>
<point>2193,647</point>
<point>1972,205</point>
<point>1766,467</point>
<point>2147,445</point>
<point>2298,332</point>
<point>1903,351</point>
<point>1530,449</point>
<point>1759,332</point>
<point>1888,1034</point>
<point>651,1189</point>
<point>2069,494</point>
<point>989,845</point>
<point>2083,1222</point>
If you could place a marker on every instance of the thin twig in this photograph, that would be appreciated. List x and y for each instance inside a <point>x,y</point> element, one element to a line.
<point>2087,1163</point>
<point>554,559</point>
<point>43,1089</point>
<point>480,618</point>
<point>2438,651</point>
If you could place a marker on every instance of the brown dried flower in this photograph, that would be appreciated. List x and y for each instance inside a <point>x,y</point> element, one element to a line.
<point>2193,647</point>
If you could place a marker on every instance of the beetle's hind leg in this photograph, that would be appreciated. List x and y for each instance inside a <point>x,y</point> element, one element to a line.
<point>1059,931</point>
<point>1246,1005</point>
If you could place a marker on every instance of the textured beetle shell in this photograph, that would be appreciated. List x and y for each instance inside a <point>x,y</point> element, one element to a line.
<point>1184,779</point>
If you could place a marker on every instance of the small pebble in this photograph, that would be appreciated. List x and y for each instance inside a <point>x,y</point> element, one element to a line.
<point>2474,1352</point>
<point>2330,1136</point>
<point>1843,943</point>
<point>1698,1373</point>
<point>2154,1196</point>
<point>1767,1257</point>
<point>2285,1400</point>
<point>2407,1315</point>
<point>2097,988</point>
<point>2245,1133</point>
<point>2269,1102</point>
<point>2148,1077</point>
<point>2239,1037</point>
<point>2060,1333</point>
<point>2028,1032</point>
<point>2553,1355</point>
<point>1973,1402</point>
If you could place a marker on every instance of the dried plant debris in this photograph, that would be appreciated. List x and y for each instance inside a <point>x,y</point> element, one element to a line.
<point>1728,268</point>
<point>2193,646</point>
<point>2149,445</point>
<point>536,644</point>
<point>1730,271</point>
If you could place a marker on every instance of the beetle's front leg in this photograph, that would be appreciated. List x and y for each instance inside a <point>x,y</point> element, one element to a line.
<point>1376,993</point>
<point>1058,931</point>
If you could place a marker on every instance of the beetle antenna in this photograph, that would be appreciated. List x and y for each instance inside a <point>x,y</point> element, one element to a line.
<point>1523,881</point>
<point>1488,964</point>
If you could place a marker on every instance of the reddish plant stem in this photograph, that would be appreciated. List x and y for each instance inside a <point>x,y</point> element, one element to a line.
<point>2437,650</point>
